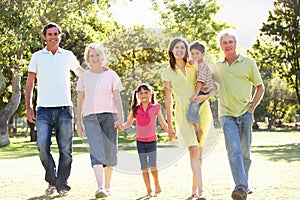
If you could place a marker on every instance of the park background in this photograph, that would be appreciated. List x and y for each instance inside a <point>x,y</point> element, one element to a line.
<point>268,31</point>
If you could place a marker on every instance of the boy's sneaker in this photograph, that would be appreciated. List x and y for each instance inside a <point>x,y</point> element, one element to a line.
<point>239,193</point>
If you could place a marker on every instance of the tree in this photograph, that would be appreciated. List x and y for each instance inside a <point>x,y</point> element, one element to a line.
<point>20,27</point>
<point>278,97</point>
<point>283,29</point>
<point>193,20</point>
<point>14,23</point>
<point>137,54</point>
<point>277,101</point>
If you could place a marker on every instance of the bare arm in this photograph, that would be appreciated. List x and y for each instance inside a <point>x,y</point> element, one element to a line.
<point>28,96</point>
<point>198,88</point>
<point>168,104</point>
<point>118,103</point>
<point>204,97</point>
<point>260,89</point>
<point>80,100</point>
<point>162,121</point>
<point>129,121</point>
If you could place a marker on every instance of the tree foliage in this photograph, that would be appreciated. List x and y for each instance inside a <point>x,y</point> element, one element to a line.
<point>21,23</point>
<point>194,20</point>
<point>283,29</point>
<point>277,54</point>
<point>137,54</point>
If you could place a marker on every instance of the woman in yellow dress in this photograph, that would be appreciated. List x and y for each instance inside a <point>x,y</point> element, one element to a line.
<point>179,82</point>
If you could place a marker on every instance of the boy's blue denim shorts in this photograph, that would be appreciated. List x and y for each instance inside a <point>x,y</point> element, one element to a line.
<point>193,112</point>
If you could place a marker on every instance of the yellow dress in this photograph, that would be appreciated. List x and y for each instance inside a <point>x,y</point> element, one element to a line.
<point>183,87</point>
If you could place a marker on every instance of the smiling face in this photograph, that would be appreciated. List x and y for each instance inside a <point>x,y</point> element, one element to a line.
<point>228,45</point>
<point>197,55</point>
<point>179,50</point>
<point>94,58</point>
<point>52,37</point>
<point>144,96</point>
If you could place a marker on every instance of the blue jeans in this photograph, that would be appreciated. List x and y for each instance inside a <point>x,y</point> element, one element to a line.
<point>238,136</point>
<point>193,112</point>
<point>59,119</point>
<point>147,154</point>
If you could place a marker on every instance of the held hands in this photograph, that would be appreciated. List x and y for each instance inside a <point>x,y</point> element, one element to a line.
<point>171,134</point>
<point>119,126</point>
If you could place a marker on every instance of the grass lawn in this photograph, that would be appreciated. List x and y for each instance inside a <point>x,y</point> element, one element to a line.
<point>274,173</point>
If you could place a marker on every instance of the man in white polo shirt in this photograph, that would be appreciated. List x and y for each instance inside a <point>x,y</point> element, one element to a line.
<point>51,66</point>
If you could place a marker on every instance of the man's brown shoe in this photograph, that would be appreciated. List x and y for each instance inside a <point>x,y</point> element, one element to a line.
<point>239,193</point>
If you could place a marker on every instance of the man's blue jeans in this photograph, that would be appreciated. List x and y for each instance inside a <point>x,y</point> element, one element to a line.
<point>59,119</point>
<point>238,136</point>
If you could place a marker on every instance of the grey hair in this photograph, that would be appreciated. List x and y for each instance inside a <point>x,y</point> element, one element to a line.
<point>229,32</point>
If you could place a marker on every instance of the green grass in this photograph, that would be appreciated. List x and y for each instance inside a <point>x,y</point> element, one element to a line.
<point>274,171</point>
<point>21,146</point>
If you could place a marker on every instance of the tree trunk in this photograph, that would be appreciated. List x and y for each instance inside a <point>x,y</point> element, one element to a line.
<point>10,107</point>
<point>4,140</point>
<point>270,122</point>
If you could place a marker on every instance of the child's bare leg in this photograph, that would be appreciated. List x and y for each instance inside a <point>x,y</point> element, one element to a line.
<point>156,182</point>
<point>198,131</point>
<point>146,178</point>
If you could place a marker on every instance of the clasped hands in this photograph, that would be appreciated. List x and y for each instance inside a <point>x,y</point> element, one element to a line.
<point>119,125</point>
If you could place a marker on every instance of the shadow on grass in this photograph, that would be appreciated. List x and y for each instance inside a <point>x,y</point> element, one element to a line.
<point>288,152</point>
<point>44,197</point>
<point>143,198</point>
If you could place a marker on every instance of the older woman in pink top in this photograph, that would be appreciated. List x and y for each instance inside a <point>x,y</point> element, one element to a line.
<point>99,106</point>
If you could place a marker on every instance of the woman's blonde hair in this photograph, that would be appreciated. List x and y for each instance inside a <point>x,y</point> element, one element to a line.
<point>96,47</point>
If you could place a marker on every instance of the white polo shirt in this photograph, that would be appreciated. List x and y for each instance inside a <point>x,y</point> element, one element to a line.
<point>53,76</point>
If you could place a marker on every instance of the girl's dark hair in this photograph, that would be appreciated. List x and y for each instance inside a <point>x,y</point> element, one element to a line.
<point>172,44</point>
<point>197,45</point>
<point>51,25</point>
<point>134,102</point>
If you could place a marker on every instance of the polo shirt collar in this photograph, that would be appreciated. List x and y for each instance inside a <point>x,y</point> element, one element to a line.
<point>240,58</point>
<point>60,50</point>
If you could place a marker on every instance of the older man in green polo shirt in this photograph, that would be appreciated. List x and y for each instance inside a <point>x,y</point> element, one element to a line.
<point>235,76</point>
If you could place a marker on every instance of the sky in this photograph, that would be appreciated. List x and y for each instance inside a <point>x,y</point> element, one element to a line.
<point>246,15</point>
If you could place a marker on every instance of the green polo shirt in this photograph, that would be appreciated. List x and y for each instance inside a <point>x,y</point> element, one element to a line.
<point>235,83</point>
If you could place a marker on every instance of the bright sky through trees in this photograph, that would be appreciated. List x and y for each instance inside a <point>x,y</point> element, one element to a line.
<point>246,15</point>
